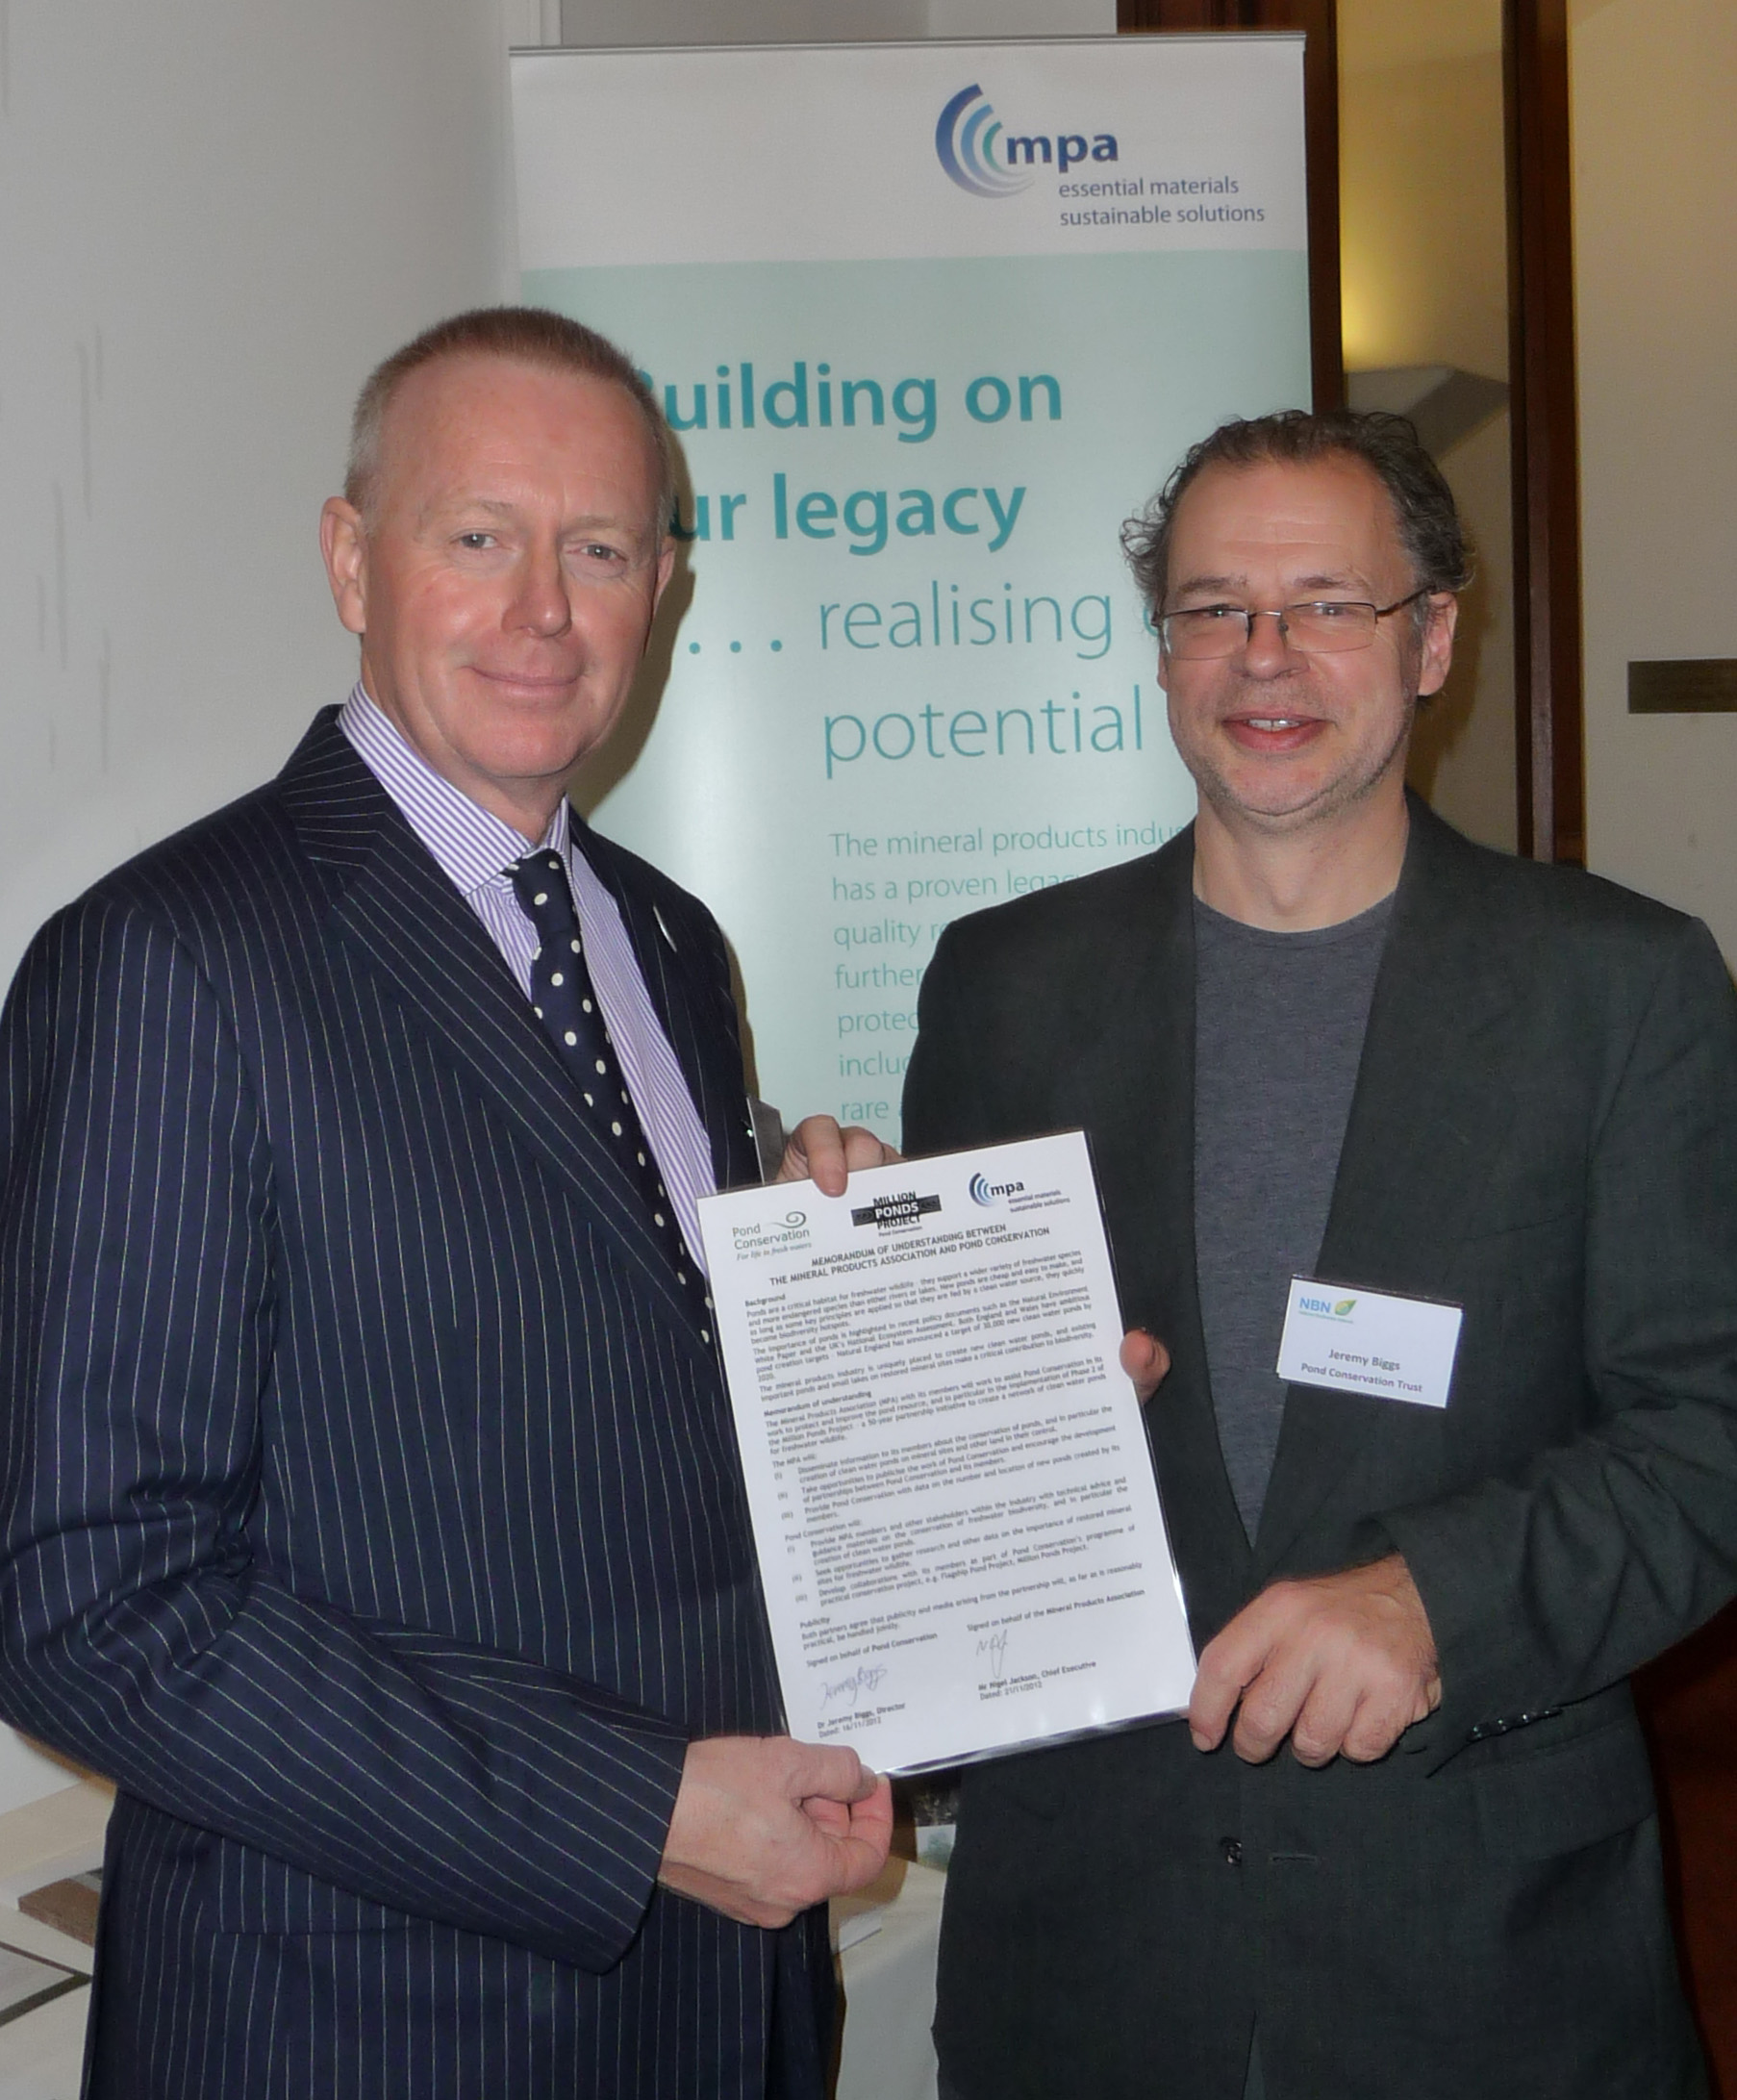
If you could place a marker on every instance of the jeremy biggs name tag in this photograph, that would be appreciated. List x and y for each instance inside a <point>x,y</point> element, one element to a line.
<point>1368,1342</point>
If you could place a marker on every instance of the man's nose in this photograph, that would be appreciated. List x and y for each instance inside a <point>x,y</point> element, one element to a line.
<point>544,602</point>
<point>1267,651</point>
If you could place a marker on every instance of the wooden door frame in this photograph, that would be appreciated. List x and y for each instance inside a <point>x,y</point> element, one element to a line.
<point>1549,725</point>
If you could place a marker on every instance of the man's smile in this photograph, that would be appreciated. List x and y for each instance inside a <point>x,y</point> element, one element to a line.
<point>1272,733</point>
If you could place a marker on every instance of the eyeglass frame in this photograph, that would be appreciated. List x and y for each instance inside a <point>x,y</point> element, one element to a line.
<point>1252,613</point>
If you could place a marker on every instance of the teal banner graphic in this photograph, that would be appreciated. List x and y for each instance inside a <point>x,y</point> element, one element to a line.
<point>929,323</point>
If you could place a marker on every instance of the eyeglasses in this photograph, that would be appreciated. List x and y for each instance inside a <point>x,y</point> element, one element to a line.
<point>1314,627</point>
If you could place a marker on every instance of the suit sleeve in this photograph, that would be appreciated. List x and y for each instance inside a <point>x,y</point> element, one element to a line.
<point>140,1628</point>
<point>943,1103</point>
<point>1549,1584</point>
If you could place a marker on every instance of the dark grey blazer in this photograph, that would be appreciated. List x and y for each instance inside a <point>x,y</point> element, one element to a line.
<point>370,1499</point>
<point>1545,1129</point>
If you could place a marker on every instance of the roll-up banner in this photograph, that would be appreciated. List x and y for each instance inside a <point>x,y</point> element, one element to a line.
<point>929,322</point>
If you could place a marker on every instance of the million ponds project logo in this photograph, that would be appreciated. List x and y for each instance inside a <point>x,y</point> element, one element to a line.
<point>986,161</point>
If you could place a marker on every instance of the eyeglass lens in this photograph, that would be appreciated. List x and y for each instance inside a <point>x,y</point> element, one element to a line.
<point>1315,627</point>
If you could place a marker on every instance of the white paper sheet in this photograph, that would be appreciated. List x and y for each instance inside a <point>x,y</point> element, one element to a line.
<point>952,1496</point>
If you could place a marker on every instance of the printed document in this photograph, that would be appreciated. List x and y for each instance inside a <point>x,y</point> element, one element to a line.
<point>953,1500</point>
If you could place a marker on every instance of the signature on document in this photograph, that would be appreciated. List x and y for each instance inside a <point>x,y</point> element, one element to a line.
<point>851,1689</point>
<point>995,1648</point>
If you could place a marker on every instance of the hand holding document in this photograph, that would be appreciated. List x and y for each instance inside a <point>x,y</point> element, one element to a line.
<point>958,1525</point>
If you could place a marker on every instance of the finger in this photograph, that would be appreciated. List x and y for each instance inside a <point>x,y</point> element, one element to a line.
<point>1325,1718</point>
<point>875,1813</point>
<point>844,1815</point>
<point>1382,1717</point>
<point>1145,1362</point>
<point>831,1816</point>
<point>863,1851</point>
<point>814,1151</point>
<point>863,1149</point>
<point>1271,1703</point>
<point>829,1772</point>
<point>1374,1728</point>
<point>1227,1665</point>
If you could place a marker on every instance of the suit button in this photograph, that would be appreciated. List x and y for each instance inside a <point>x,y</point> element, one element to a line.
<point>1232,1851</point>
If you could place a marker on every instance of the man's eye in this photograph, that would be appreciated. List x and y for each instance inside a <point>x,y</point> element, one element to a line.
<point>475,542</point>
<point>1332,609</point>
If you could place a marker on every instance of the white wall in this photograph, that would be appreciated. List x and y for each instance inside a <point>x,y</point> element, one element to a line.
<point>1654,86</point>
<point>533,23</point>
<point>214,216</point>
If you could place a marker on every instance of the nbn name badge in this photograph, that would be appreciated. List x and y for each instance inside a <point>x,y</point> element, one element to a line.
<point>1358,1341</point>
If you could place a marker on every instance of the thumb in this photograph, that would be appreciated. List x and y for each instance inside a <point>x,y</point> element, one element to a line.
<point>829,1772</point>
<point>1145,1362</point>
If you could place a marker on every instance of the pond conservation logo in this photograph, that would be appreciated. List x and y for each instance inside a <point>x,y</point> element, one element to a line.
<point>985,161</point>
<point>770,1236</point>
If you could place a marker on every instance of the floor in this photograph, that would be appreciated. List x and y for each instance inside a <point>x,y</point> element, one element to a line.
<point>42,2051</point>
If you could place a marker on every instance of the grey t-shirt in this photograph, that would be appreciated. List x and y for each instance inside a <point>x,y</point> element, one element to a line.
<point>1279,1021</point>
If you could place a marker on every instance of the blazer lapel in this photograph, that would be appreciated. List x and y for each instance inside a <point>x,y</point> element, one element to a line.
<point>1426,1128</point>
<point>1140,1074</point>
<point>397,911</point>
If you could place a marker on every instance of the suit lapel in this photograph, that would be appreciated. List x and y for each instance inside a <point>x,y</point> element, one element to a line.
<point>1425,1129</point>
<point>1140,1070</point>
<point>397,912</point>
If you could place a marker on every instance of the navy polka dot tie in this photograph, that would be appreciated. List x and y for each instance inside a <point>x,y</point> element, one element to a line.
<point>567,1004</point>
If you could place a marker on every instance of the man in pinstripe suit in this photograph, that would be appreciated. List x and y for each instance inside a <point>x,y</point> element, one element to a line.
<point>370,1499</point>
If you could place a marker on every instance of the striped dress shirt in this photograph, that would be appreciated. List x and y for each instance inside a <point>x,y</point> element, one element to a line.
<point>475,851</point>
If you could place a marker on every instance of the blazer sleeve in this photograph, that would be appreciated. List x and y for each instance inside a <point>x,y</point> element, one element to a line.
<point>941,1105</point>
<point>1546,1584</point>
<point>140,1629</point>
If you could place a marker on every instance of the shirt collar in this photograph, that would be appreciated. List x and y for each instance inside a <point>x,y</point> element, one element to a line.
<point>473,845</point>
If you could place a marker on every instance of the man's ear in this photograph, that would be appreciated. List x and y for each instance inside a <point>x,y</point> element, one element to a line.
<point>343,544</point>
<point>666,570</point>
<point>1437,647</point>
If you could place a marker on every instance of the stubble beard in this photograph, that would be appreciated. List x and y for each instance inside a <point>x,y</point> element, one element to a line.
<point>1335,798</point>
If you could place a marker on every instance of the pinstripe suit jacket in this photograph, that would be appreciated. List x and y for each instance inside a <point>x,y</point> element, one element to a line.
<point>371,1507</point>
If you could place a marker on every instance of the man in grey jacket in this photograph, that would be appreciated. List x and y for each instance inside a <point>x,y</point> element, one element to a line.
<point>1404,1844</point>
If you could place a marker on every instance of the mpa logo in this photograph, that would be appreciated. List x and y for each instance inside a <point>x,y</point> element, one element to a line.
<point>981,159</point>
<point>987,1193</point>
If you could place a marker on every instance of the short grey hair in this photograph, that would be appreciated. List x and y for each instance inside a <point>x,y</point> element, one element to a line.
<point>525,335</point>
<point>1388,445</point>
